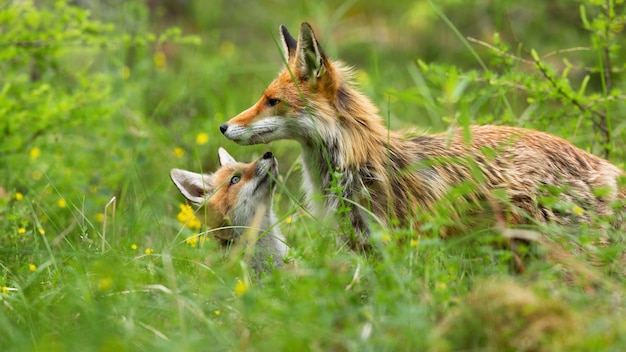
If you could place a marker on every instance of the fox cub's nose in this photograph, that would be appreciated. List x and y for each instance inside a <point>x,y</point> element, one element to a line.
<point>223,128</point>
<point>268,155</point>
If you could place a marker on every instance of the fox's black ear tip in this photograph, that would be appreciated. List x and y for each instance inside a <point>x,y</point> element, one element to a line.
<point>305,27</point>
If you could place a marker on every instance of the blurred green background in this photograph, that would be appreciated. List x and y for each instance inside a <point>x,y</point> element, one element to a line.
<point>106,107</point>
<point>100,99</point>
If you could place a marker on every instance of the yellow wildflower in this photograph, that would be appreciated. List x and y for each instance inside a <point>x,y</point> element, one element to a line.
<point>192,241</point>
<point>241,287</point>
<point>148,251</point>
<point>133,246</point>
<point>19,196</point>
<point>196,239</point>
<point>578,210</point>
<point>61,203</point>
<point>5,290</point>
<point>21,230</point>
<point>288,220</point>
<point>217,312</point>
<point>32,267</point>
<point>187,216</point>
<point>414,243</point>
<point>34,153</point>
<point>99,217</point>
<point>41,230</point>
<point>179,152</point>
<point>202,138</point>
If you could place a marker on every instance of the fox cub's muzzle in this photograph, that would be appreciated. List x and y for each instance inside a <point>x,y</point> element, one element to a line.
<point>267,165</point>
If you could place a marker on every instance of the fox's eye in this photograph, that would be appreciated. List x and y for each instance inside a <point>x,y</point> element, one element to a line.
<point>271,102</point>
<point>235,179</point>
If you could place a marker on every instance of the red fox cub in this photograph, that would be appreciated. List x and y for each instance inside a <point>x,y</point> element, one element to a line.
<point>349,157</point>
<point>242,193</point>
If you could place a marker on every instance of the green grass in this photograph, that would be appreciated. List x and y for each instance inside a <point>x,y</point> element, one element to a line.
<point>78,274</point>
<point>413,295</point>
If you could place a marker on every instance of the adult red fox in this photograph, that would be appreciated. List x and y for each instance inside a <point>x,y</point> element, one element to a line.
<point>240,193</point>
<point>349,158</point>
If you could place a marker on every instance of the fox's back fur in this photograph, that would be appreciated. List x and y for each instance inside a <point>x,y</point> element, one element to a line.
<point>403,175</point>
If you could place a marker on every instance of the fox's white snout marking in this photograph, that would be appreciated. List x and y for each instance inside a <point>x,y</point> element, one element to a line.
<point>263,131</point>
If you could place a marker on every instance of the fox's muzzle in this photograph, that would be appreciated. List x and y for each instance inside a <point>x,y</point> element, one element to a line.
<point>267,165</point>
<point>236,133</point>
<point>266,171</point>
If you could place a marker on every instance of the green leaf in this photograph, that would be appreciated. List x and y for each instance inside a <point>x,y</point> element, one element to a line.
<point>534,55</point>
<point>583,17</point>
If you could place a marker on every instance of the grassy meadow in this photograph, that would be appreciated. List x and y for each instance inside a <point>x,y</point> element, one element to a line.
<point>99,252</point>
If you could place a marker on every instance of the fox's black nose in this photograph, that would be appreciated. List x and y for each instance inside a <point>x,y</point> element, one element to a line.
<point>268,155</point>
<point>223,128</point>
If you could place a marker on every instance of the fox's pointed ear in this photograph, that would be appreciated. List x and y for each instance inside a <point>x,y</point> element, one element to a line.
<point>289,43</point>
<point>193,186</point>
<point>311,59</point>
<point>224,157</point>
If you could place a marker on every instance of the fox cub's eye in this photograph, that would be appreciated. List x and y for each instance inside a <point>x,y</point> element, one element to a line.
<point>272,102</point>
<point>235,179</point>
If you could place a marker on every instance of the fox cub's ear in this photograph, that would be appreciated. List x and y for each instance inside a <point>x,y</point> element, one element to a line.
<point>224,157</point>
<point>311,59</point>
<point>195,187</point>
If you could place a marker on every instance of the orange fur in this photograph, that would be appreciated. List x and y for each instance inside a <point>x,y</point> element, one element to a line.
<point>225,196</point>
